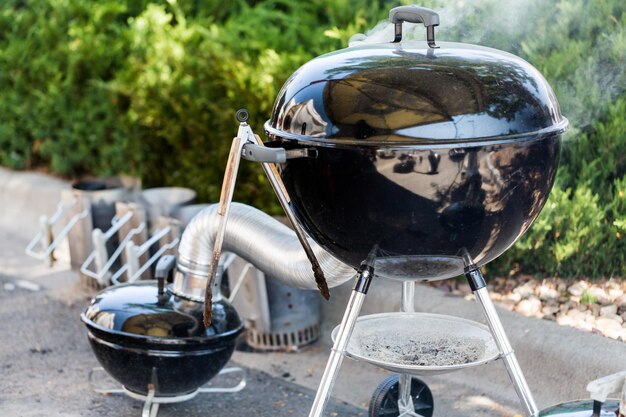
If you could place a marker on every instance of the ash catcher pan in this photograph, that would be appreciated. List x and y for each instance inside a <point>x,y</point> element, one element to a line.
<point>421,343</point>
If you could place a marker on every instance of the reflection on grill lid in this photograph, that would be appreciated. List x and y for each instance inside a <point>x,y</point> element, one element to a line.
<point>137,310</point>
<point>408,93</point>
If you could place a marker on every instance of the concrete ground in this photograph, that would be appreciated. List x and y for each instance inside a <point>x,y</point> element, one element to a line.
<point>45,357</point>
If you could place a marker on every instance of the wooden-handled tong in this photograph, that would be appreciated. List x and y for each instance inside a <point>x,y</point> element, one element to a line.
<point>250,146</point>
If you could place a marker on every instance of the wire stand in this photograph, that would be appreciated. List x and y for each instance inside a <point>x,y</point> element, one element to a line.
<point>152,402</point>
<point>405,406</point>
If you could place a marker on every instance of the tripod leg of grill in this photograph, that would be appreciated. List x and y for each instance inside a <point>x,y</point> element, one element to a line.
<point>150,408</point>
<point>405,403</point>
<point>477,284</point>
<point>341,342</point>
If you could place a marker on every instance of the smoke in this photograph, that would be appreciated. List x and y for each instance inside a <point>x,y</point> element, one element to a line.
<point>464,21</point>
<point>578,45</point>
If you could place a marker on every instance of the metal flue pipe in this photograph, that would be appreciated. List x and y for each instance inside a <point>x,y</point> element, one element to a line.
<point>263,241</point>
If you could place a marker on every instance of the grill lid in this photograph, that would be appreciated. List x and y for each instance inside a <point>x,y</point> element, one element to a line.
<point>139,311</point>
<point>411,92</point>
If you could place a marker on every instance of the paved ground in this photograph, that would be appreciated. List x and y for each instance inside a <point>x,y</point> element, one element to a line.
<point>45,358</point>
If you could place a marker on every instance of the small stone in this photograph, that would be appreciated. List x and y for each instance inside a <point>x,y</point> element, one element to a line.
<point>562,287</point>
<point>549,310</point>
<point>565,320</point>
<point>584,325</point>
<point>599,294</point>
<point>608,327</point>
<point>546,293</point>
<point>582,307</point>
<point>577,289</point>
<point>609,310</point>
<point>590,318</point>
<point>563,308</point>
<point>529,307</point>
<point>553,302</point>
<point>514,297</point>
<point>615,293</point>
<point>595,309</point>
<point>623,316</point>
<point>524,291</point>
<point>576,315</point>
<point>576,322</point>
<point>621,301</point>
<point>614,317</point>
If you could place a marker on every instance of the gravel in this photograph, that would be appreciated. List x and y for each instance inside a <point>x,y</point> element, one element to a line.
<point>593,306</point>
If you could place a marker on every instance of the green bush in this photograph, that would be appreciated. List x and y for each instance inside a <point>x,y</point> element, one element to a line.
<point>581,230</point>
<point>150,88</point>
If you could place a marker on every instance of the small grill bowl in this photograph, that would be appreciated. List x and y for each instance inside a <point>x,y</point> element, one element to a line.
<point>177,360</point>
<point>420,343</point>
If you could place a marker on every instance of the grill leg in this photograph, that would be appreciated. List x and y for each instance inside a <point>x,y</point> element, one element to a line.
<point>477,283</point>
<point>150,408</point>
<point>355,303</point>
<point>405,402</point>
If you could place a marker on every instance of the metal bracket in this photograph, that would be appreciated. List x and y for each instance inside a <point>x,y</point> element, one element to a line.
<point>151,401</point>
<point>104,262</point>
<point>45,237</point>
<point>134,253</point>
<point>258,153</point>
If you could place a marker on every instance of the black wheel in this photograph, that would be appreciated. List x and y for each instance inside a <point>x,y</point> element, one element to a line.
<point>385,399</point>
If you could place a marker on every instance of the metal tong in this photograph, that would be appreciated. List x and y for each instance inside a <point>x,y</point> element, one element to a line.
<point>250,146</point>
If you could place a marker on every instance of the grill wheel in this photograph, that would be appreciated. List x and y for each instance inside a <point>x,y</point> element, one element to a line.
<point>384,401</point>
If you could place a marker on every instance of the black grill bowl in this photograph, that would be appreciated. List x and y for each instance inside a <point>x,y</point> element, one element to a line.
<point>176,363</point>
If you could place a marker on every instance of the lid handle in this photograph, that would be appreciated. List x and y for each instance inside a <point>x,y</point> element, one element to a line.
<point>415,14</point>
<point>163,269</point>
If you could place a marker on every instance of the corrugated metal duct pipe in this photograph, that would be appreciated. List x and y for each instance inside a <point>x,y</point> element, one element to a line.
<point>260,239</point>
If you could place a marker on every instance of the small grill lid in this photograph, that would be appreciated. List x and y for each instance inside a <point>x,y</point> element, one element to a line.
<point>139,311</point>
<point>412,92</point>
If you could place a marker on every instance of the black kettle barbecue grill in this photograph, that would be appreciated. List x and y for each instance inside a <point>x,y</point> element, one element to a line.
<point>150,338</point>
<point>411,161</point>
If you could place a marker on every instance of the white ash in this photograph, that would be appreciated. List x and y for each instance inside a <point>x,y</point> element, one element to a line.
<point>432,349</point>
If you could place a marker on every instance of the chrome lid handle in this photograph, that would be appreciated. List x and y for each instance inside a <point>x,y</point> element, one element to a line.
<point>415,14</point>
